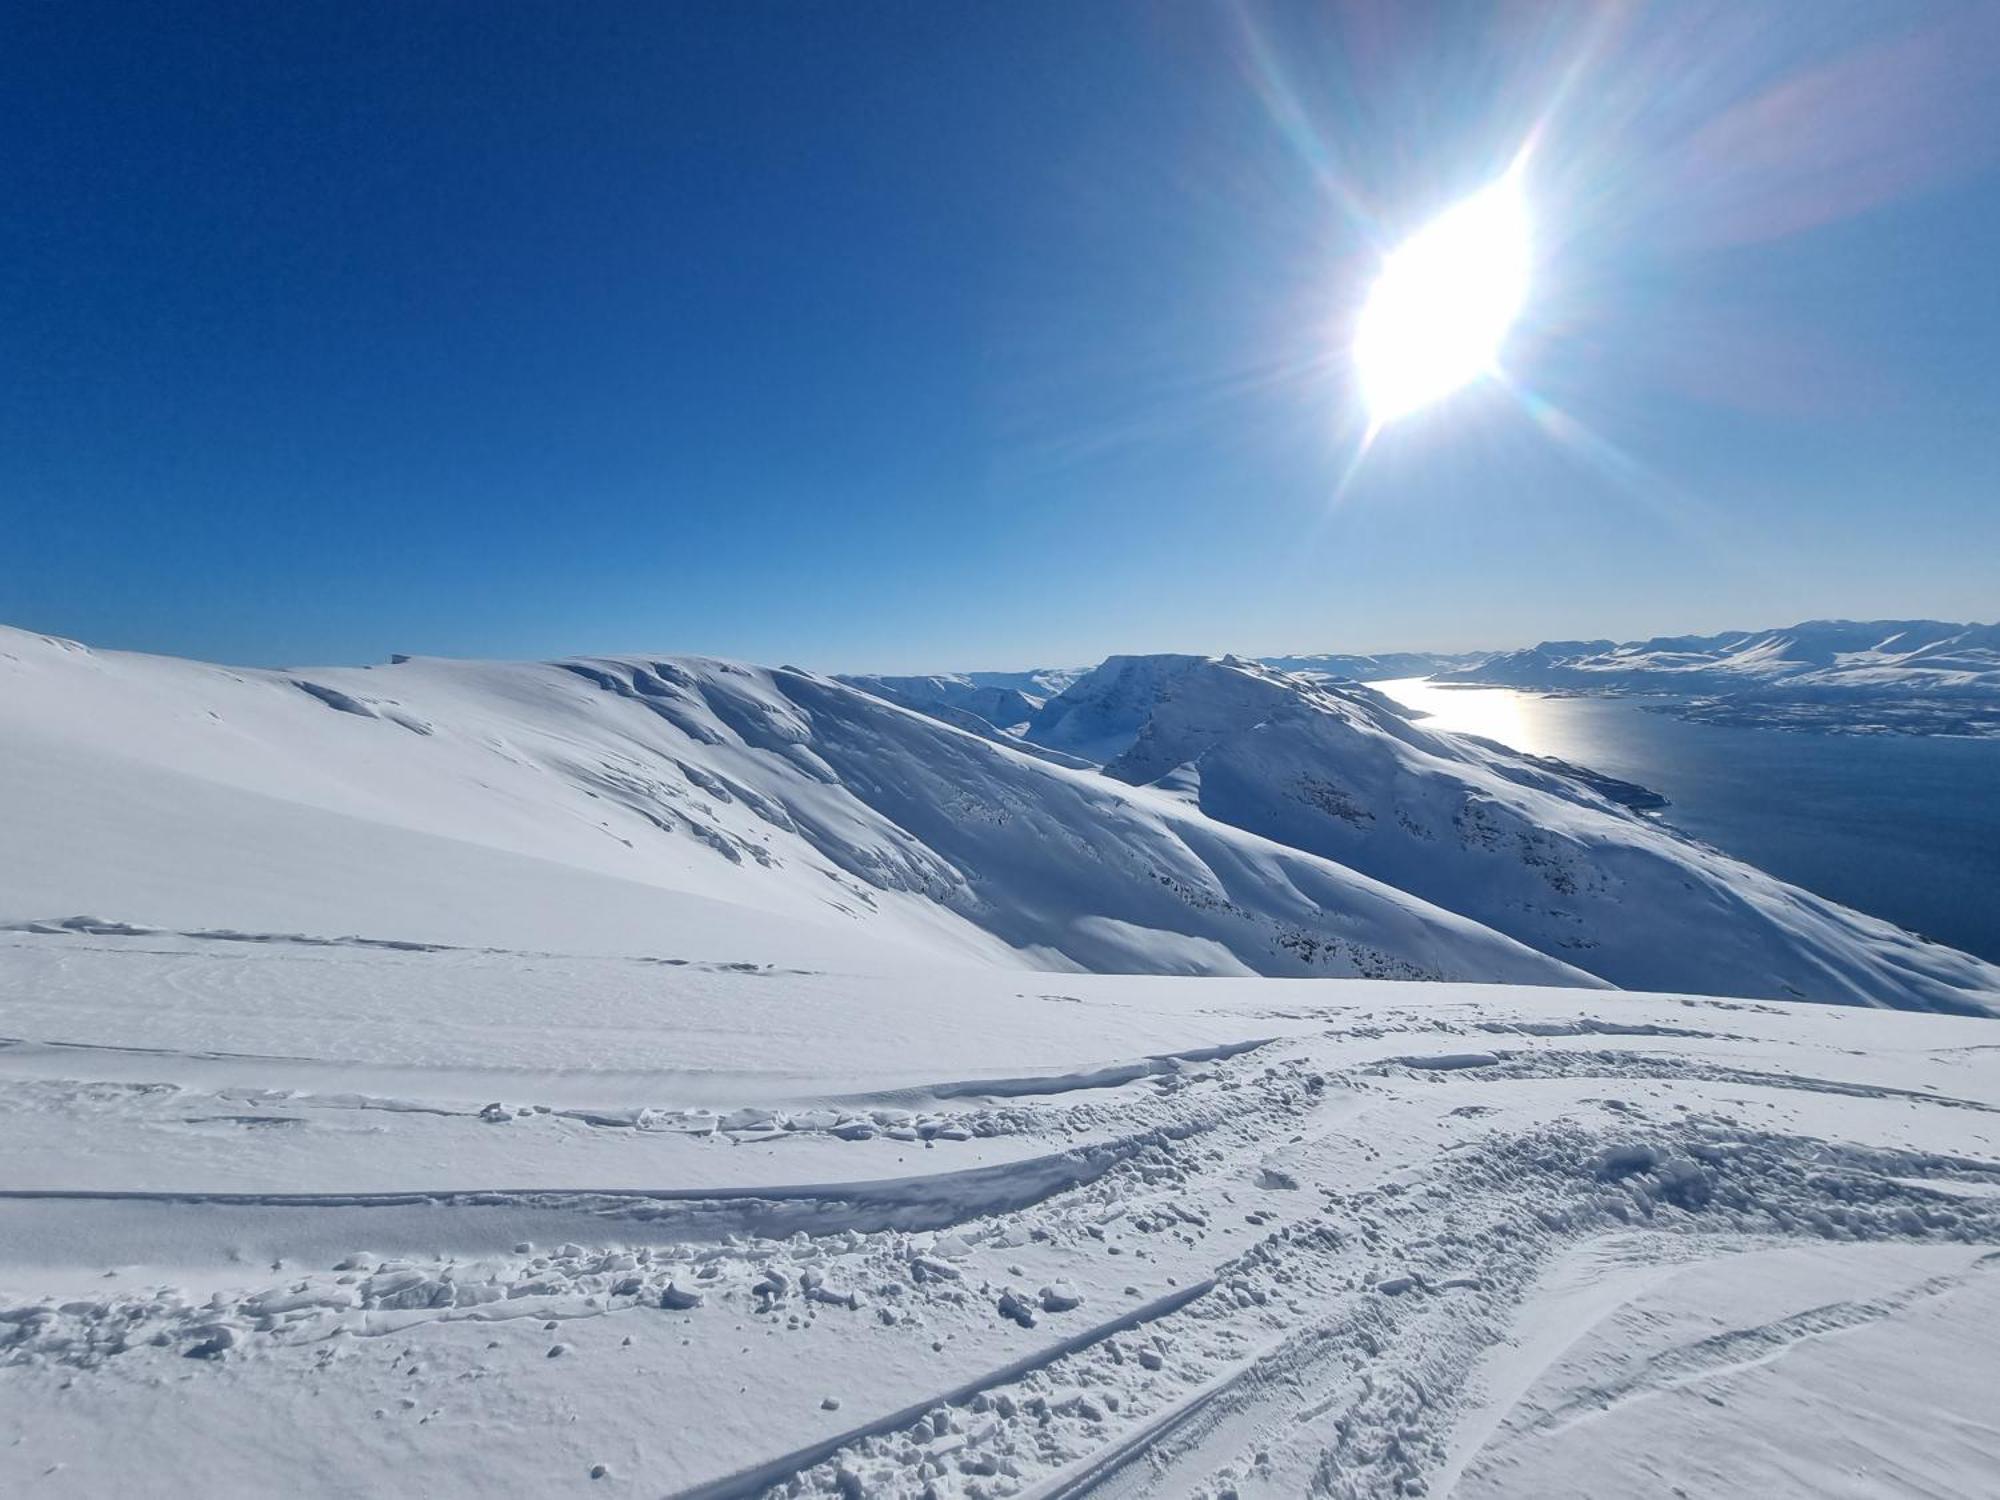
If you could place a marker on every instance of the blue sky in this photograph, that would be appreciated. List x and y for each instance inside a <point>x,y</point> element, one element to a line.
<point>925,335</point>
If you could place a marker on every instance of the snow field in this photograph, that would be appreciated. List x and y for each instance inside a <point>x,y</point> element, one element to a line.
<point>1277,1254</point>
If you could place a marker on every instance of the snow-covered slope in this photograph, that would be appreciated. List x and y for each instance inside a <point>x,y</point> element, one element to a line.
<point>687,808</point>
<point>631,1077</point>
<point>991,711</point>
<point>949,697</point>
<point>1925,676</point>
<point>1005,700</point>
<point>1470,826</point>
<point>282,1218</point>
<point>1251,823</point>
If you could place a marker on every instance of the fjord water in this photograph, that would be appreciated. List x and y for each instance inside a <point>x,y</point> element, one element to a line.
<point>1906,827</point>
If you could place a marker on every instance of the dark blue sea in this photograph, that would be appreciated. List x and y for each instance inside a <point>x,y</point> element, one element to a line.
<point>1905,827</point>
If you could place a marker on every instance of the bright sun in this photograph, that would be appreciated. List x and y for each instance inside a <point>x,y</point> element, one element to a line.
<point>1446,297</point>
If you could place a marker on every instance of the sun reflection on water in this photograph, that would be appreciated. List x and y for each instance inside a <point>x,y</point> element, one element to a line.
<point>1497,713</point>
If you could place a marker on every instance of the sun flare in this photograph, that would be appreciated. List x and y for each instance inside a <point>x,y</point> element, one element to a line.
<point>1444,301</point>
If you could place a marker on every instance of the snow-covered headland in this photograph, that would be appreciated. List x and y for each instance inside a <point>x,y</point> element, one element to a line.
<point>1834,676</point>
<point>666,1076</point>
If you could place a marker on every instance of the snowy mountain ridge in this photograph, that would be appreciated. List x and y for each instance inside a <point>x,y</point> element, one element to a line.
<point>1247,822</point>
<point>647,805</point>
<point>1873,676</point>
<point>1341,771</point>
<point>664,1076</point>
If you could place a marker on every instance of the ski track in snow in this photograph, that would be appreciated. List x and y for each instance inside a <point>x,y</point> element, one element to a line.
<point>656,1077</point>
<point>1737,1348</point>
<point>1274,1265</point>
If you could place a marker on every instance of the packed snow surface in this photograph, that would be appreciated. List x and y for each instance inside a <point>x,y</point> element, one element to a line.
<point>325,1219</point>
<point>668,1077</point>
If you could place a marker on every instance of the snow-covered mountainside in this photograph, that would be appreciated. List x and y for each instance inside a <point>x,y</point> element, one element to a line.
<point>1474,828</point>
<point>1912,676</point>
<point>1004,700</point>
<point>992,705</point>
<point>955,698</point>
<point>646,1077</point>
<point>636,806</point>
<point>290,1218</point>
<point>1249,823</point>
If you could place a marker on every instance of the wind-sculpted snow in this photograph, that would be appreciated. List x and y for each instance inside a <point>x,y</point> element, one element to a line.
<point>336,1218</point>
<point>1512,843</point>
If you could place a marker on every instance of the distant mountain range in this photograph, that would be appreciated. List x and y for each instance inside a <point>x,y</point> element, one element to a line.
<point>1382,668</point>
<point>1872,676</point>
<point>1835,676</point>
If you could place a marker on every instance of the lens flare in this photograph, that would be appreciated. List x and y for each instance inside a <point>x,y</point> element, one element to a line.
<point>1440,309</point>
